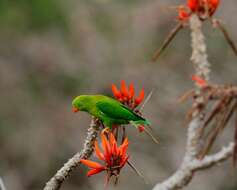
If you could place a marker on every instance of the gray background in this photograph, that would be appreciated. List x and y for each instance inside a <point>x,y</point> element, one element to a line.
<point>51,51</point>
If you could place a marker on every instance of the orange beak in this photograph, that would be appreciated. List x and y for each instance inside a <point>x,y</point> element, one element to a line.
<point>75,110</point>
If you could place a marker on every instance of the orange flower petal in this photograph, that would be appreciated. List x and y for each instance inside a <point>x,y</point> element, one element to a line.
<point>113,142</point>
<point>91,164</point>
<point>140,98</point>
<point>183,14</point>
<point>124,89</point>
<point>131,91</point>
<point>94,171</point>
<point>199,81</point>
<point>193,5</point>
<point>111,139</point>
<point>124,161</point>
<point>115,91</point>
<point>125,142</point>
<point>123,148</point>
<point>213,5</point>
<point>106,146</point>
<point>98,152</point>
<point>115,149</point>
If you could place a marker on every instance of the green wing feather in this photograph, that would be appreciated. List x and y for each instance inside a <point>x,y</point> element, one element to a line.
<point>116,110</point>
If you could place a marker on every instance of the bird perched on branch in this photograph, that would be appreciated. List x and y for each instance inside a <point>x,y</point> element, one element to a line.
<point>109,111</point>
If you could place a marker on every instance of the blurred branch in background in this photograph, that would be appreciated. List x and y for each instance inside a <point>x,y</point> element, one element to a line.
<point>2,186</point>
<point>191,163</point>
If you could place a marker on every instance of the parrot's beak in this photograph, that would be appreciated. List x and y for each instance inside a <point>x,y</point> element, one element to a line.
<point>75,110</point>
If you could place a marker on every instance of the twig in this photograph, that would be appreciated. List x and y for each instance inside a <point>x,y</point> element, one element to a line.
<point>167,41</point>
<point>136,171</point>
<point>221,123</point>
<point>146,100</point>
<point>56,181</point>
<point>220,26</point>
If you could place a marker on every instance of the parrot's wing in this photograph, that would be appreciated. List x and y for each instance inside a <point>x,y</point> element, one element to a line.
<point>115,110</point>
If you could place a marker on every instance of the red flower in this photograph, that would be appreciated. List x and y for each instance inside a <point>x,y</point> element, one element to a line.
<point>124,90</point>
<point>199,81</point>
<point>113,156</point>
<point>193,5</point>
<point>183,13</point>
<point>131,91</point>
<point>116,92</point>
<point>141,128</point>
<point>212,5</point>
<point>96,167</point>
<point>203,8</point>
<point>140,98</point>
<point>126,95</point>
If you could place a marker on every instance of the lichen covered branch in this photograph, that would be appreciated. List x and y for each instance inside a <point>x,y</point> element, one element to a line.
<point>56,181</point>
<point>199,49</point>
<point>213,159</point>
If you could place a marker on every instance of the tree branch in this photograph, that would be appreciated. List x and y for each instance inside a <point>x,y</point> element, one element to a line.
<point>199,49</point>
<point>213,159</point>
<point>190,163</point>
<point>186,172</point>
<point>56,181</point>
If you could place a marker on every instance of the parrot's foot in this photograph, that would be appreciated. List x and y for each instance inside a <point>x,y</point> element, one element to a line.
<point>105,130</point>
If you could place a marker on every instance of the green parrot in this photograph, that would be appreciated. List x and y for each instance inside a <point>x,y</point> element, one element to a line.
<point>109,111</point>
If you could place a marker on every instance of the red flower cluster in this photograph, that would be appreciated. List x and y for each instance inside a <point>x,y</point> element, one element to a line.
<point>203,8</point>
<point>126,95</point>
<point>113,156</point>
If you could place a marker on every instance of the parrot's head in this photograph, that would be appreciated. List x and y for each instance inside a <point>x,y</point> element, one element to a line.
<point>81,103</point>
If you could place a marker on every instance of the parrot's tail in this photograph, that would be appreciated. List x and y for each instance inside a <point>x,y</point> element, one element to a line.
<point>144,124</point>
<point>141,122</point>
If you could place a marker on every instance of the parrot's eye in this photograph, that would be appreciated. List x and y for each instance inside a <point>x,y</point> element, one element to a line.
<point>74,109</point>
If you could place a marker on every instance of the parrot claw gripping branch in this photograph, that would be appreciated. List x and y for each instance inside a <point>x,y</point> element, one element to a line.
<point>213,107</point>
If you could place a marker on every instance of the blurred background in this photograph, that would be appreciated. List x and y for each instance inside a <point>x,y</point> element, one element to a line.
<point>54,50</point>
